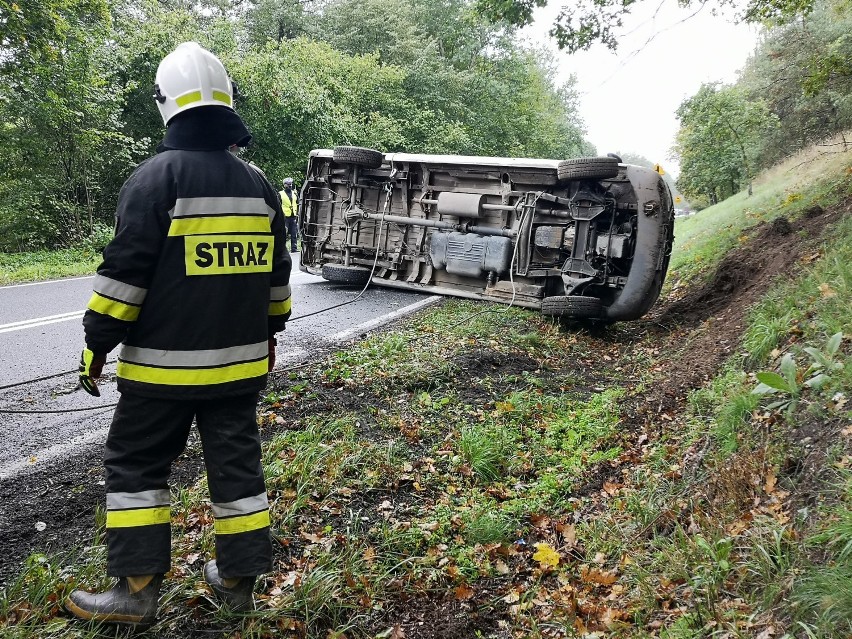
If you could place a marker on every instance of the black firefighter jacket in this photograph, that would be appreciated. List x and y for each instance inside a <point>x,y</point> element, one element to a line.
<point>196,279</point>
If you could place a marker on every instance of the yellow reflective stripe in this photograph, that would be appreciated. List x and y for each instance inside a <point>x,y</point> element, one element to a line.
<point>221,96</point>
<point>189,98</point>
<point>280,308</point>
<point>219,224</point>
<point>118,310</point>
<point>241,524</point>
<point>137,517</point>
<point>191,376</point>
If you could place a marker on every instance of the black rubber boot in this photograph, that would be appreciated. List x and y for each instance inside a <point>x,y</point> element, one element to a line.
<point>238,598</point>
<point>122,605</point>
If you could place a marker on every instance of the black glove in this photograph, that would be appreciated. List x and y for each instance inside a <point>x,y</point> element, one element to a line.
<point>91,367</point>
<point>272,344</point>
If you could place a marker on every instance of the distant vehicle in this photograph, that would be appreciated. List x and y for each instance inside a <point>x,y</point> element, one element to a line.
<point>682,212</point>
<point>584,238</point>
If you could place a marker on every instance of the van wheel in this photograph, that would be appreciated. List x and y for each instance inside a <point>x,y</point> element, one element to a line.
<point>600,168</point>
<point>369,158</point>
<point>575,306</point>
<point>352,275</point>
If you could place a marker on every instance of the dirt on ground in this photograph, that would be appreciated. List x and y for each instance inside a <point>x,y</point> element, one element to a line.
<point>697,329</point>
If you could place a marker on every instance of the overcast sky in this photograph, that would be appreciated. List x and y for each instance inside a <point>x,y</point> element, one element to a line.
<point>628,98</point>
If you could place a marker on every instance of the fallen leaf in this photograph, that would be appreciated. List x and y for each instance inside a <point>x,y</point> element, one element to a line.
<point>464,592</point>
<point>766,633</point>
<point>826,291</point>
<point>546,556</point>
<point>392,633</point>
<point>769,485</point>
<point>611,488</point>
<point>597,576</point>
<point>569,533</point>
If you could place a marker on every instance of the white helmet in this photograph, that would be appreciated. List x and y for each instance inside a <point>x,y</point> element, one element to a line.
<point>190,77</point>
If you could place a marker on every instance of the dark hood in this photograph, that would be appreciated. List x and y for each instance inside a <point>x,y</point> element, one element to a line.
<point>208,128</point>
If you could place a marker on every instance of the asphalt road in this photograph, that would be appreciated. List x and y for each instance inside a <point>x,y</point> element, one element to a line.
<point>41,336</point>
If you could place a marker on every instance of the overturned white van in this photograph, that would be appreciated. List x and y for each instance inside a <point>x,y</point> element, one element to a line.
<point>584,238</point>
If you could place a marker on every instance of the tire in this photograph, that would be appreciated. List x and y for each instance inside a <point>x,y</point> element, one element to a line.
<point>573,306</point>
<point>369,158</point>
<point>352,275</point>
<point>601,168</point>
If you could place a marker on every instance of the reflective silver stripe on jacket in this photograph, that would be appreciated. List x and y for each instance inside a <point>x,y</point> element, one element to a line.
<point>144,499</point>
<point>194,359</point>
<point>279,293</point>
<point>243,506</point>
<point>119,290</point>
<point>203,206</point>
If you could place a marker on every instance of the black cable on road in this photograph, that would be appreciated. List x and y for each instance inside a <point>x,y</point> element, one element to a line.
<point>65,410</point>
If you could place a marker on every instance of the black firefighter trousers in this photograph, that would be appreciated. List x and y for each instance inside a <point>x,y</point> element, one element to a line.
<point>145,437</point>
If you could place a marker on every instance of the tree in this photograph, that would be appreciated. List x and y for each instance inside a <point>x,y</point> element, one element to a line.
<point>802,70</point>
<point>34,32</point>
<point>278,20</point>
<point>62,129</point>
<point>719,139</point>
<point>387,28</point>
<point>579,25</point>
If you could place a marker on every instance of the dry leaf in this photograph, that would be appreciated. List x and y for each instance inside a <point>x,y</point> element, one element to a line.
<point>464,592</point>
<point>769,485</point>
<point>826,291</point>
<point>396,632</point>
<point>611,488</point>
<point>569,534</point>
<point>597,576</point>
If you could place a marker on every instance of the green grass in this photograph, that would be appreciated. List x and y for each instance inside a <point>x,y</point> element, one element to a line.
<point>45,265</point>
<point>701,240</point>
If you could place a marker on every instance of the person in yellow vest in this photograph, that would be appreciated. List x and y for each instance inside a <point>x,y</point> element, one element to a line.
<point>289,204</point>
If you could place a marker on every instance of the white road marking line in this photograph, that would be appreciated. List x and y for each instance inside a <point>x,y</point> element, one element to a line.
<point>384,319</point>
<point>40,321</point>
<point>65,279</point>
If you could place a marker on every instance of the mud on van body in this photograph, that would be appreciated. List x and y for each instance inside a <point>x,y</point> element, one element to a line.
<point>586,238</point>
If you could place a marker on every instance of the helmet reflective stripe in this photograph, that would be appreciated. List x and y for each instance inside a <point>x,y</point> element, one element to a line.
<point>190,77</point>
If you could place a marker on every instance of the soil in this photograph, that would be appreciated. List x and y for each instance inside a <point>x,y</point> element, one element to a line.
<point>697,329</point>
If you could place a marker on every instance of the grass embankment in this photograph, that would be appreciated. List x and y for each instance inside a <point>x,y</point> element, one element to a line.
<point>491,473</point>
<point>45,265</point>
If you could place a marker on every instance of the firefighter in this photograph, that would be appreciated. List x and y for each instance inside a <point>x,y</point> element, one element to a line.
<point>194,286</point>
<point>289,204</point>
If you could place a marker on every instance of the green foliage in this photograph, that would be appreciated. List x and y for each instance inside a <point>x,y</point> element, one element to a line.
<point>792,380</point>
<point>801,71</point>
<point>719,141</point>
<point>64,153</point>
<point>430,76</point>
